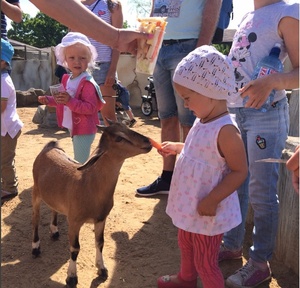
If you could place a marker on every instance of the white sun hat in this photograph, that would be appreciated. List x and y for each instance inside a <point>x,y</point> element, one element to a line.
<point>206,71</point>
<point>70,39</point>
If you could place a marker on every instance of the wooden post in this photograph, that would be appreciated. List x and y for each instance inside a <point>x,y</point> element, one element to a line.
<point>287,246</point>
<point>294,113</point>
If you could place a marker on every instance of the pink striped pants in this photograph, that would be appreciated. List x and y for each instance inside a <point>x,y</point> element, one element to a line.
<point>199,256</point>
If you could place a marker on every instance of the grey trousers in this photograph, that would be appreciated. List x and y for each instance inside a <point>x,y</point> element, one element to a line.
<point>9,178</point>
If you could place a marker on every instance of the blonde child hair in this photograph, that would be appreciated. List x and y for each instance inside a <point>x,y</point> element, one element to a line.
<point>75,38</point>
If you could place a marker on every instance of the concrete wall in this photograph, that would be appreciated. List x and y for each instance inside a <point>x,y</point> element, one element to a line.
<point>33,73</point>
<point>135,82</point>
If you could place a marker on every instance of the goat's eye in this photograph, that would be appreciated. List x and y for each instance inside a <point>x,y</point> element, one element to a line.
<point>119,139</point>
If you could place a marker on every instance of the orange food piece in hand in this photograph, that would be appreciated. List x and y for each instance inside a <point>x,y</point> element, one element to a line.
<point>159,148</point>
<point>155,144</point>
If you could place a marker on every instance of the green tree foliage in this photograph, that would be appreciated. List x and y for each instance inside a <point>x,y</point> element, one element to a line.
<point>141,8</point>
<point>40,31</point>
<point>223,48</point>
<point>126,24</point>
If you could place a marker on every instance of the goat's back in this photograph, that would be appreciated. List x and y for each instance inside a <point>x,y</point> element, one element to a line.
<point>53,173</point>
<point>53,159</point>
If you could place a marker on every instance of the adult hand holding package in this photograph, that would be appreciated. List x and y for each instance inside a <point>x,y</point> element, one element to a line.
<point>148,49</point>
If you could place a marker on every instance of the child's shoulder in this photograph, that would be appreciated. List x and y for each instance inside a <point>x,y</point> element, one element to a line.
<point>6,80</point>
<point>89,79</point>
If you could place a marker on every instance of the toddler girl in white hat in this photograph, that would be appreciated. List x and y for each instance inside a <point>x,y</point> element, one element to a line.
<point>77,108</point>
<point>212,164</point>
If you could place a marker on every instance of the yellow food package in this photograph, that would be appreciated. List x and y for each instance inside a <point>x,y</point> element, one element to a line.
<point>148,49</point>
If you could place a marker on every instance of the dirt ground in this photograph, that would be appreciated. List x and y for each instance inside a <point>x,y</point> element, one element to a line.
<point>140,240</point>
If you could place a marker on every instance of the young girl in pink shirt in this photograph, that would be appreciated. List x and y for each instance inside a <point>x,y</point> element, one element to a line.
<point>77,108</point>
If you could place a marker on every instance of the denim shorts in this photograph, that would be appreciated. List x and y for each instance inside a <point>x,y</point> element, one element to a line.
<point>124,99</point>
<point>100,74</point>
<point>169,102</point>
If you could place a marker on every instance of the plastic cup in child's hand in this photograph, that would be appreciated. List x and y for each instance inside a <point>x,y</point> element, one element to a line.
<point>56,89</point>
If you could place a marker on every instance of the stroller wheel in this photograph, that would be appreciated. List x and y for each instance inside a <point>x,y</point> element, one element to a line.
<point>146,108</point>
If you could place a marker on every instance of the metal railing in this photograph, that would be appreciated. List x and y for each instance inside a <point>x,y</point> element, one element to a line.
<point>26,52</point>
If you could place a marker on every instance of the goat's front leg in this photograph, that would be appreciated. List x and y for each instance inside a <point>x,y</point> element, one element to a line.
<point>74,229</point>
<point>36,202</point>
<point>99,241</point>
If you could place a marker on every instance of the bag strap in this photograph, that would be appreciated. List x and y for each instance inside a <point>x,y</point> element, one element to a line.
<point>95,5</point>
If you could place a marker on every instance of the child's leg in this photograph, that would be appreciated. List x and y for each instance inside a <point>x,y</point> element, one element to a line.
<point>8,169</point>
<point>130,114</point>
<point>82,146</point>
<point>188,270</point>
<point>187,277</point>
<point>206,250</point>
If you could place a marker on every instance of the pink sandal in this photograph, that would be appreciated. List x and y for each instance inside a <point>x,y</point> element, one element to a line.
<point>175,281</point>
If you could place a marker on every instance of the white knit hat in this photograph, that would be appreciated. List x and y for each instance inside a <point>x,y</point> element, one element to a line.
<point>70,39</point>
<point>206,71</point>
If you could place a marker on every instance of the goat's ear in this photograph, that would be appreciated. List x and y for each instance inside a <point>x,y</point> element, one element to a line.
<point>101,128</point>
<point>109,121</point>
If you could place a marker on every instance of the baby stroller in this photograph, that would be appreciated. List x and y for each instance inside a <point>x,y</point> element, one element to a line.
<point>149,103</point>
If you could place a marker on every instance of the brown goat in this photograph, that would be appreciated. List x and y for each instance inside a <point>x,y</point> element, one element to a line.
<point>84,193</point>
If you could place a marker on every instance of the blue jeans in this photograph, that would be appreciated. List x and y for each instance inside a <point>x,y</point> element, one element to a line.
<point>124,99</point>
<point>169,102</point>
<point>100,74</point>
<point>264,136</point>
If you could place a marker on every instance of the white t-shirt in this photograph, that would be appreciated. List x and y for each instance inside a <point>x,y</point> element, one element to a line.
<point>256,36</point>
<point>10,121</point>
<point>184,17</point>
<point>71,88</point>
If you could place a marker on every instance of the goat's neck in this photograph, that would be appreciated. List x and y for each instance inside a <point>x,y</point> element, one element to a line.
<point>107,169</point>
<point>101,179</point>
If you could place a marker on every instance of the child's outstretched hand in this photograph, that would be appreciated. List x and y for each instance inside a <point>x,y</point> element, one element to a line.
<point>168,148</point>
<point>163,149</point>
<point>43,100</point>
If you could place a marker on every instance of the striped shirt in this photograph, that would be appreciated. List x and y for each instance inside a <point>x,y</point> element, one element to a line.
<point>101,10</point>
<point>4,22</point>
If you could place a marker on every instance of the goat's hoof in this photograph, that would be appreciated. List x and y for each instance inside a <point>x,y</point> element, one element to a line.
<point>72,281</point>
<point>103,273</point>
<point>55,236</point>
<point>36,252</point>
